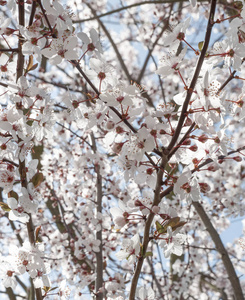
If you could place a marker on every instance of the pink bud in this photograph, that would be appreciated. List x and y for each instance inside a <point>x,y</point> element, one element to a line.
<point>193,148</point>
<point>110,124</point>
<point>204,187</point>
<point>237,158</point>
<point>155,209</point>
<point>117,147</point>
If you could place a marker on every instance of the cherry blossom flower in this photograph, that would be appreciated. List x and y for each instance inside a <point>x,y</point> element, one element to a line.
<point>57,15</point>
<point>171,63</point>
<point>115,286</point>
<point>34,40</point>
<point>187,188</point>
<point>7,178</point>
<point>146,175</point>
<point>4,23</point>
<point>17,210</point>
<point>130,249</point>
<point>119,95</point>
<point>41,279</point>
<point>172,243</point>
<point>144,293</point>
<point>138,144</point>
<point>28,198</point>
<point>92,244</point>
<point>208,93</point>
<point>64,290</point>
<point>60,49</point>
<point>178,33</point>
<point>23,92</point>
<point>7,273</point>
<point>91,44</point>
<point>120,215</point>
<point>44,124</point>
<point>101,72</point>
<point>227,51</point>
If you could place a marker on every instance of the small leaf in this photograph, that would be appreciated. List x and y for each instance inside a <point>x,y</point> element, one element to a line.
<point>33,67</point>
<point>51,289</point>
<point>149,253</point>
<point>171,222</point>
<point>174,223</point>
<point>30,66</point>
<point>13,194</point>
<point>200,45</point>
<point>159,227</point>
<point>37,179</point>
<point>180,224</point>
<point>30,63</point>
<point>5,206</point>
<point>46,289</point>
<point>38,239</point>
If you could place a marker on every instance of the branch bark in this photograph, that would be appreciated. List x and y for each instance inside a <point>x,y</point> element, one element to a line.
<point>195,76</point>
<point>156,201</point>
<point>99,254</point>
<point>238,293</point>
<point>22,166</point>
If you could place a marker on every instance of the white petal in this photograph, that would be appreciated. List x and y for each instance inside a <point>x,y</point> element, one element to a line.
<point>83,36</point>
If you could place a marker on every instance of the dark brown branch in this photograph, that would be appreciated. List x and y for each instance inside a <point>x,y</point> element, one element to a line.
<point>186,135</point>
<point>3,84</point>
<point>195,76</point>
<point>228,80</point>
<point>99,254</point>
<point>21,60</point>
<point>33,10</point>
<point>10,293</point>
<point>9,50</point>
<point>156,201</point>
<point>10,162</point>
<point>22,166</point>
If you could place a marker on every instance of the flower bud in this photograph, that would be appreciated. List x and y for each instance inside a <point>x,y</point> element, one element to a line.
<point>193,148</point>
<point>204,187</point>
<point>110,124</point>
<point>117,147</point>
<point>237,158</point>
<point>155,209</point>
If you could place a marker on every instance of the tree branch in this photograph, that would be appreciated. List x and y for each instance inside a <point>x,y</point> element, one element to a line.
<point>238,293</point>
<point>99,254</point>
<point>130,6</point>
<point>195,76</point>
<point>156,201</point>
